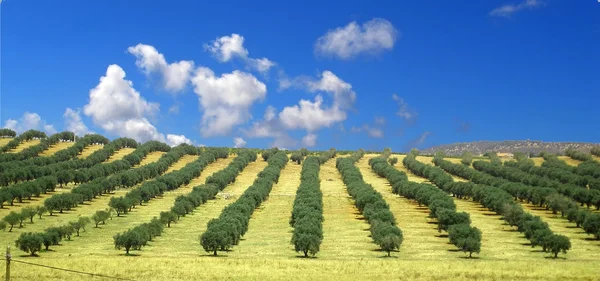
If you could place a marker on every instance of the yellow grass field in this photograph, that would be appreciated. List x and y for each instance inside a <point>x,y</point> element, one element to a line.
<point>119,154</point>
<point>265,252</point>
<point>4,141</point>
<point>56,147</point>
<point>24,145</point>
<point>88,150</point>
<point>150,158</point>
<point>569,160</point>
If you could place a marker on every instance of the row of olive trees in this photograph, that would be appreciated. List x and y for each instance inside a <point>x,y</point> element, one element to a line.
<point>66,171</point>
<point>298,156</point>
<point>384,230</point>
<point>588,167</point>
<point>137,237</point>
<point>307,213</point>
<point>595,151</point>
<point>326,155</point>
<point>513,174</point>
<point>29,156</point>
<point>25,136</point>
<point>170,181</point>
<point>457,224</point>
<point>554,172</point>
<point>226,230</point>
<point>104,184</point>
<point>498,200</point>
<point>578,155</point>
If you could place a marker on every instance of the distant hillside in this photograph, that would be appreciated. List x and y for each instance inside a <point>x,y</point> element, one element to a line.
<point>527,146</point>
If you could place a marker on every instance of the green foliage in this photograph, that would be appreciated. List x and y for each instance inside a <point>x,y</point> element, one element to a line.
<point>467,158</point>
<point>595,151</point>
<point>7,133</point>
<point>370,203</point>
<point>30,242</point>
<point>29,213</point>
<point>12,219</point>
<point>100,217</point>
<point>591,225</point>
<point>226,230</point>
<point>465,237</point>
<point>307,213</point>
<point>578,155</point>
<point>41,210</point>
<point>393,160</point>
<point>558,243</point>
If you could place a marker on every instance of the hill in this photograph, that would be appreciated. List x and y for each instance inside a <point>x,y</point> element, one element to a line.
<point>527,146</point>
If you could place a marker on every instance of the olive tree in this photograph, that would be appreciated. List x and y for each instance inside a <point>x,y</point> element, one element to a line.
<point>558,243</point>
<point>168,218</point>
<point>100,217</point>
<point>41,210</point>
<point>29,213</point>
<point>12,219</point>
<point>128,240</point>
<point>30,242</point>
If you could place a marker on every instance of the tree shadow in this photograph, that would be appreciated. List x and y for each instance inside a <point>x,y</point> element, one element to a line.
<point>510,230</point>
<point>29,256</point>
<point>571,226</point>
<point>525,244</point>
<point>469,258</point>
<point>442,236</point>
<point>432,222</point>
<point>454,250</point>
<point>388,257</point>
<point>557,258</point>
<point>129,255</point>
<point>590,239</point>
<point>309,257</point>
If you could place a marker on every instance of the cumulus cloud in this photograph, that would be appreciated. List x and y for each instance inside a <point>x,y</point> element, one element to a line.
<point>311,116</point>
<point>404,111</point>
<point>226,48</point>
<point>226,100</point>
<point>119,109</point>
<point>508,10</point>
<point>373,37</point>
<point>371,131</point>
<point>175,140</point>
<point>29,121</point>
<point>271,127</point>
<point>309,140</point>
<point>73,122</point>
<point>175,76</point>
<point>239,142</point>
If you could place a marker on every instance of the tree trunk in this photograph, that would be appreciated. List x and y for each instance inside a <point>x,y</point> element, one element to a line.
<point>11,227</point>
<point>305,253</point>
<point>169,224</point>
<point>215,253</point>
<point>389,254</point>
<point>470,254</point>
<point>127,250</point>
<point>555,254</point>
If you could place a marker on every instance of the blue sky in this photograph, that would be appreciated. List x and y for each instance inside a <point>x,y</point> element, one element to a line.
<point>321,74</point>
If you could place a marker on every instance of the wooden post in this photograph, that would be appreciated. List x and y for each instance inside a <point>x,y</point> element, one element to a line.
<point>8,256</point>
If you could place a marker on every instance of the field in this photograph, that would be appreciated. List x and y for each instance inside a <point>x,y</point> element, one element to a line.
<point>150,158</point>
<point>4,141</point>
<point>56,147</point>
<point>24,145</point>
<point>119,154</point>
<point>265,252</point>
<point>90,149</point>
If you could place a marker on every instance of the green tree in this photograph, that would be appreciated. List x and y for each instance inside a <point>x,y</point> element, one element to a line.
<point>30,242</point>
<point>393,160</point>
<point>50,238</point>
<point>591,225</point>
<point>120,204</point>
<point>29,212</point>
<point>100,217</point>
<point>168,218</point>
<point>12,219</point>
<point>215,238</point>
<point>3,225</point>
<point>467,158</point>
<point>128,240</point>
<point>41,210</point>
<point>558,243</point>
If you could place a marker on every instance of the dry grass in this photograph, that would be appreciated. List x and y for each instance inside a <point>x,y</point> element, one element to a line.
<point>537,160</point>
<point>569,160</point>
<point>4,141</point>
<point>347,252</point>
<point>119,154</point>
<point>186,159</point>
<point>56,147</point>
<point>150,158</point>
<point>88,150</point>
<point>22,146</point>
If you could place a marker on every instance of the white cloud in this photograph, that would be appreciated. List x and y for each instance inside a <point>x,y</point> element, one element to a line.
<point>29,121</point>
<point>226,100</point>
<point>374,36</point>
<point>175,75</point>
<point>343,95</point>
<point>309,140</point>
<point>404,111</point>
<point>73,122</point>
<point>371,131</point>
<point>226,48</point>
<point>239,142</point>
<point>509,9</point>
<point>310,115</point>
<point>174,109</point>
<point>380,120</point>
<point>119,109</point>
<point>175,140</point>
<point>271,127</point>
